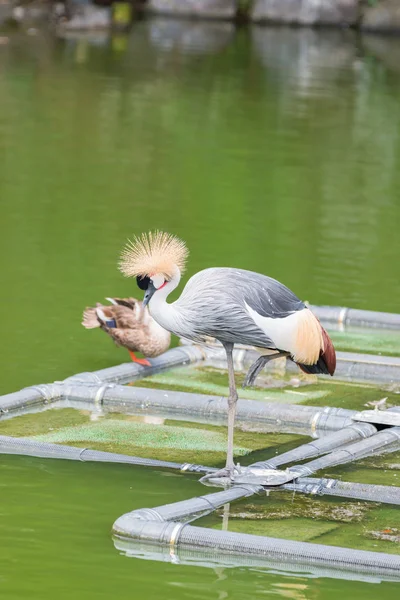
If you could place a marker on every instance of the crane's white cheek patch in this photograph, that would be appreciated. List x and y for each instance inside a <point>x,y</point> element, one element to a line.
<point>158,280</point>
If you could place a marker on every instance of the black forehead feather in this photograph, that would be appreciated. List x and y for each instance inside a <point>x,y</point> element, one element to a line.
<point>143,282</point>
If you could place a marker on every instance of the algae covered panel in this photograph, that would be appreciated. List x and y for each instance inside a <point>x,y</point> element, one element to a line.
<point>331,521</point>
<point>145,436</point>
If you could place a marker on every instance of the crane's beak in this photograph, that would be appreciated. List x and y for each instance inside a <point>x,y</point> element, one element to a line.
<point>149,293</point>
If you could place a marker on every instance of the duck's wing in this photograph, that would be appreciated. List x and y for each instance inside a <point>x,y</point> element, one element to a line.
<point>119,323</point>
<point>136,311</point>
<point>127,302</point>
<point>89,318</point>
<point>122,313</point>
<point>129,324</point>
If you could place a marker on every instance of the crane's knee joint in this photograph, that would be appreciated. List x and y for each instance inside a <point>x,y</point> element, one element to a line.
<point>232,400</point>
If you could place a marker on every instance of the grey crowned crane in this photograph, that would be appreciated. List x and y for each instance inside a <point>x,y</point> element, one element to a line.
<point>232,305</point>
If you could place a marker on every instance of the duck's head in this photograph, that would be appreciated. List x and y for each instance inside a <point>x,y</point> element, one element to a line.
<point>156,259</point>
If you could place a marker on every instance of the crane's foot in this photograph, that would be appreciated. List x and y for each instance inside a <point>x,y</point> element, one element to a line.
<point>260,363</point>
<point>140,361</point>
<point>254,370</point>
<point>227,474</point>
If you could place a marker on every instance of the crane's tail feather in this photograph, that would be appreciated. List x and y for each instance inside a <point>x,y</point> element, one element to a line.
<point>319,368</point>
<point>326,363</point>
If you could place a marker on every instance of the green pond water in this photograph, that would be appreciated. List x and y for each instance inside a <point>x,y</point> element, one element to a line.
<point>272,150</point>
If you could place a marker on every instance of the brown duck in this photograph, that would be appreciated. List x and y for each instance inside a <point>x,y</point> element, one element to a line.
<point>130,325</point>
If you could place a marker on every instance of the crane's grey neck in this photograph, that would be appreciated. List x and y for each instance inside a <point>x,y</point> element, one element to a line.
<point>165,314</point>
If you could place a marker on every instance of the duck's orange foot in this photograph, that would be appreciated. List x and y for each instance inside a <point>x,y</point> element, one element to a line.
<point>141,361</point>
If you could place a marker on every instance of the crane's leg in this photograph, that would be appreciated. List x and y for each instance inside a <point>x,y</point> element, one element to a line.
<point>232,401</point>
<point>229,469</point>
<point>260,364</point>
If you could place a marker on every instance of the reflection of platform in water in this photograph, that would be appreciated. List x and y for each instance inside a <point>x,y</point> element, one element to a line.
<point>188,37</point>
<point>305,56</point>
<point>384,48</point>
<point>214,558</point>
<point>166,35</point>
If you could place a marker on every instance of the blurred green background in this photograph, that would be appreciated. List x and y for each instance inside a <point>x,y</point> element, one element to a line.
<point>273,150</point>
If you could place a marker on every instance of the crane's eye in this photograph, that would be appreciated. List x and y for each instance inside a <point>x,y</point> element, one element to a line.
<point>143,282</point>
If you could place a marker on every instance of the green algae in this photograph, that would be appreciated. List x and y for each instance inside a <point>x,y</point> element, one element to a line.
<point>298,529</point>
<point>368,341</point>
<point>358,536</point>
<point>145,435</point>
<point>283,506</point>
<point>366,473</point>
<point>205,457</point>
<point>116,432</point>
<point>353,396</point>
<point>284,515</point>
<point>214,382</point>
<point>255,440</point>
<point>46,421</point>
<point>379,469</point>
<point>258,446</point>
<point>321,520</point>
<point>307,390</point>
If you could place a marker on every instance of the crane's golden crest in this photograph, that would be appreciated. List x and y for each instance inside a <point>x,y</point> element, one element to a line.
<point>151,253</point>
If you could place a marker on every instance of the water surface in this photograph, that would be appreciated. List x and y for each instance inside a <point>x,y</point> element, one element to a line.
<point>272,150</point>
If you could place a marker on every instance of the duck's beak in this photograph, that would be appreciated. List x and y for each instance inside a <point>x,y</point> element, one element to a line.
<point>149,293</point>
